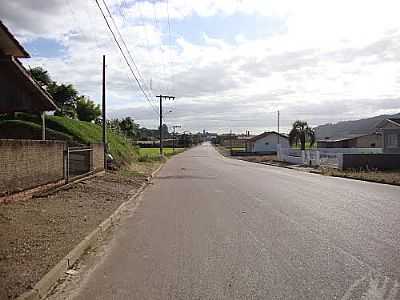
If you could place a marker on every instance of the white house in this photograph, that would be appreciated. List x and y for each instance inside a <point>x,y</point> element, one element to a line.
<point>267,142</point>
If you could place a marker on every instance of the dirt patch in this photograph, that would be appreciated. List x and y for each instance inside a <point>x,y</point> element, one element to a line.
<point>258,158</point>
<point>389,177</point>
<point>36,234</point>
<point>142,168</point>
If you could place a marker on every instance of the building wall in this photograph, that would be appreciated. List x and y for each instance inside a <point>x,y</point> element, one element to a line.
<point>268,143</point>
<point>391,148</point>
<point>369,141</point>
<point>25,164</point>
<point>237,143</point>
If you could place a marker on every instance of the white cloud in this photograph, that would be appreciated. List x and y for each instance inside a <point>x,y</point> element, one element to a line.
<point>335,60</point>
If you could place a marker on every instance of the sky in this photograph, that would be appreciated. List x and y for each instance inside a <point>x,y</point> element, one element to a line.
<point>231,64</point>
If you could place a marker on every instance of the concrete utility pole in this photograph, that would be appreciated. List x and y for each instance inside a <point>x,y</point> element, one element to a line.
<point>43,115</point>
<point>278,126</point>
<point>104,112</point>
<point>161,120</point>
<point>173,141</point>
<point>230,138</point>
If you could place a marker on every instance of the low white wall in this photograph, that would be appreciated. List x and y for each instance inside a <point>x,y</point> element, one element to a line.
<point>330,157</point>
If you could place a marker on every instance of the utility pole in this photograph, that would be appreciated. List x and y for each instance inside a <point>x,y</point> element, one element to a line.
<point>43,115</point>
<point>173,141</point>
<point>161,120</point>
<point>104,113</point>
<point>230,140</point>
<point>278,126</point>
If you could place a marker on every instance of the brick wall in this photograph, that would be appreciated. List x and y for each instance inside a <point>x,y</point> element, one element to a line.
<point>97,157</point>
<point>27,164</point>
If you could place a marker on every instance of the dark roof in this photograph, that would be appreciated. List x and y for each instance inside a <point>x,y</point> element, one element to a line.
<point>262,135</point>
<point>351,137</point>
<point>395,120</point>
<point>9,44</point>
<point>23,93</point>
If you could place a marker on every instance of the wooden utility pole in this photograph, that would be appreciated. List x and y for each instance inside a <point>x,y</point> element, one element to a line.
<point>104,113</point>
<point>161,97</point>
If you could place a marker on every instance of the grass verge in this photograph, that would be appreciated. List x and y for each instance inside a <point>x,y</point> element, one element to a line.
<point>388,177</point>
<point>153,154</point>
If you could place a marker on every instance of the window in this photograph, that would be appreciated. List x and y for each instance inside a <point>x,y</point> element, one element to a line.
<point>391,141</point>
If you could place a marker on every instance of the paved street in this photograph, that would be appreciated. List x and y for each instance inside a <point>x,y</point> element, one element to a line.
<point>216,228</point>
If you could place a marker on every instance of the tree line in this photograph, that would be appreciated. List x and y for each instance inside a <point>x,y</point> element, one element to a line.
<point>67,98</point>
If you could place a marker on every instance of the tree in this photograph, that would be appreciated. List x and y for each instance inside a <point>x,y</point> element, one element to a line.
<point>41,76</point>
<point>129,127</point>
<point>86,109</point>
<point>301,133</point>
<point>65,96</point>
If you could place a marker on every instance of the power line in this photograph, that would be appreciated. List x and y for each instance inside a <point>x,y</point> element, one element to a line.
<point>123,54</point>
<point>123,41</point>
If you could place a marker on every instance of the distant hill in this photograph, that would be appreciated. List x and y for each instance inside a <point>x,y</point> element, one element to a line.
<point>350,128</point>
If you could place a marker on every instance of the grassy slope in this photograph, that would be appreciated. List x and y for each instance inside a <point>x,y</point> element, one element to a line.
<point>85,132</point>
<point>81,132</point>
<point>11,129</point>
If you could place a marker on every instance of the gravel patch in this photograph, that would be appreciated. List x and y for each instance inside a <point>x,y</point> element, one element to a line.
<point>36,234</point>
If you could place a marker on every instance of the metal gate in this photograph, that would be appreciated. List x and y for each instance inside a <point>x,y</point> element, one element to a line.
<point>77,161</point>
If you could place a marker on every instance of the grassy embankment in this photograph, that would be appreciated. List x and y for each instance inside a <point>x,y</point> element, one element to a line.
<point>73,131</point>
<point>76,132</point>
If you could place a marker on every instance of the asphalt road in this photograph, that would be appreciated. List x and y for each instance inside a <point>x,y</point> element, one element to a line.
<point>216,228</point>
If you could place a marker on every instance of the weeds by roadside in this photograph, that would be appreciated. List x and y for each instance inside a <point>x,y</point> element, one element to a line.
<point>389,177</point>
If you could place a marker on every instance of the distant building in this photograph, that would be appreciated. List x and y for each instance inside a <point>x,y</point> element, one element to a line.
<point>267,142</point>
<point>236,141</point>
<point>390,129</point>
<point>372,140</point>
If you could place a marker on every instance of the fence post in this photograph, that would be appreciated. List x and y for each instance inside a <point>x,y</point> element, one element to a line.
<point>67,164</point>
<point>278,151</point>
<point>317,158</point>
<point>340,160</point>
<point>303,156</point>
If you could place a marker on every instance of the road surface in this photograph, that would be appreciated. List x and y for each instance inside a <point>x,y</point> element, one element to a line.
<point>216,228</point>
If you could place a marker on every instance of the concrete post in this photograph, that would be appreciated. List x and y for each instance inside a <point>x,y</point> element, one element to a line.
<point>43,115</point>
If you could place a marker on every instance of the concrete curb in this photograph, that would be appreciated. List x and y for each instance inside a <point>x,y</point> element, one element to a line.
<point>43,287</point>
<point>154,173</point>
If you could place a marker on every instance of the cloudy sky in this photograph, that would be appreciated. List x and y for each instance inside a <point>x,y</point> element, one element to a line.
<point>231,63</point>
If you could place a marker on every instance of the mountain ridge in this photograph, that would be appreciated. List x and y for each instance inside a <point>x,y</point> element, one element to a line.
<point>350,128</point>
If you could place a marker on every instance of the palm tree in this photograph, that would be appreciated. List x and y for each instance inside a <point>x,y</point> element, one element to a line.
<point>302,133</point>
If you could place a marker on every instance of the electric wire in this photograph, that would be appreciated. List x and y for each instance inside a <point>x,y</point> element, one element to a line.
<point>124,56</point>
